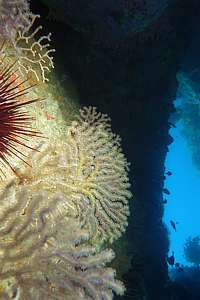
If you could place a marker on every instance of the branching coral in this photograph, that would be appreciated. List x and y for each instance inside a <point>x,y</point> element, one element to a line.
<point>32,52</point>
<point>100,179</point>
<point>55,214</point>
<point>91,169</point>
<point>42,258</point>
<point>76,190</point>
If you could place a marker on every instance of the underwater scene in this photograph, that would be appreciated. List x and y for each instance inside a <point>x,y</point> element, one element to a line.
<point>99,150</point>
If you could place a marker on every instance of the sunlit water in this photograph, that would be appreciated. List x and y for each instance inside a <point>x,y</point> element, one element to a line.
<point>183,203</point>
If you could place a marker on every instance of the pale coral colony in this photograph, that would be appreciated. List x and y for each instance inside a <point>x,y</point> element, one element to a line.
<point>58,216</point>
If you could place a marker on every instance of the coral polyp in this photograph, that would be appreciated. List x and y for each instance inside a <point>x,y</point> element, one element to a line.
<point>15,122</point>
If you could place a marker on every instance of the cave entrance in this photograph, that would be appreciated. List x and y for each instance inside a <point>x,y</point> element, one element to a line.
<point>182,207</point>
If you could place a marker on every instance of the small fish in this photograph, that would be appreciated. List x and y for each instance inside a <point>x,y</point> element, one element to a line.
<point>180,269</point>
<point>177,265</point>
<point>166,191</point>
<point>171,125</point>
<point>171,259</point>
<point>169,173</point>
<point>173,224</point>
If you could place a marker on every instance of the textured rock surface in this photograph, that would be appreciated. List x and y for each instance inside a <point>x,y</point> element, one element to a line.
<point>108,21</point>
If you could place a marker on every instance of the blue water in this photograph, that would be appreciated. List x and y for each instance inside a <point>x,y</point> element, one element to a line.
<point>183,204</point>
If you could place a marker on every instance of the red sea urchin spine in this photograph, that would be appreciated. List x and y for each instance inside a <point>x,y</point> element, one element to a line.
<point>14,122</point>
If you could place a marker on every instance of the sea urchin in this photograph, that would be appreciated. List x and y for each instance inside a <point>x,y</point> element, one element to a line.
<point>15,123</point>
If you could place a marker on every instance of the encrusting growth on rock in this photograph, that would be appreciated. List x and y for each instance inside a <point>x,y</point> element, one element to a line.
<point>24,40</point>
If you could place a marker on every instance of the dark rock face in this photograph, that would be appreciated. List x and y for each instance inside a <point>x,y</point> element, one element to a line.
<point>189,279</point>
<point>131,75</point>
<point>109,21</point>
